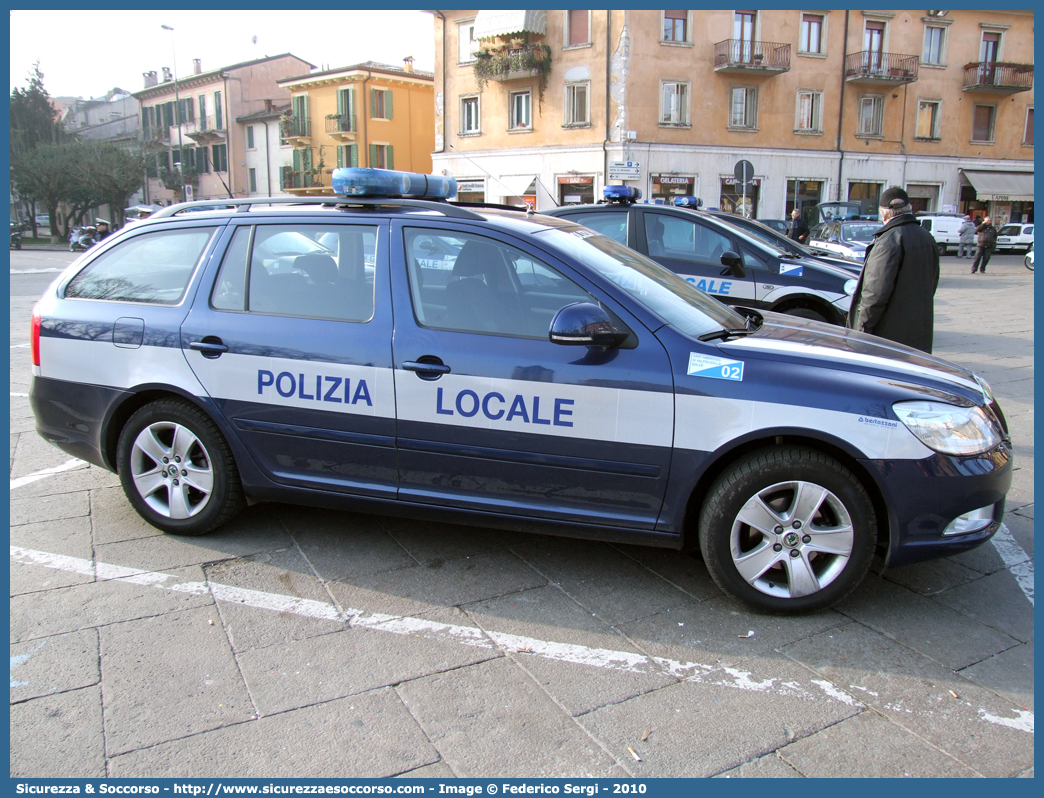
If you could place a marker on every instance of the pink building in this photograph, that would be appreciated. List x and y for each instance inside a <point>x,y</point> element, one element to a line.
<point>208,147</point>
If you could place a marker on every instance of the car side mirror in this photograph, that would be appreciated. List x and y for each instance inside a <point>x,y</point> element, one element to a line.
<point>733,262</point>
<point>584,324</point>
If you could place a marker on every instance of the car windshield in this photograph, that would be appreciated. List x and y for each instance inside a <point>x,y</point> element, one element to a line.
<point>668,297</point>
<point>860,231</point>
<point>764,235</point>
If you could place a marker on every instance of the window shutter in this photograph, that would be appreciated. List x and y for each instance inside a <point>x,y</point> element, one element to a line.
<point>388,157</point>
<point>373,156</point>
<point>340,102</point>
<point>353,151</point>
<point>373,103</point>
<point>297,160</point>
<point>350,109</point>
<point>340,157</point>
<point>388,104</point>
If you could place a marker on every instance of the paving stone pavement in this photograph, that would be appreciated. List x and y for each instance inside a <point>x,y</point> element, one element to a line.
<point>308,643</point>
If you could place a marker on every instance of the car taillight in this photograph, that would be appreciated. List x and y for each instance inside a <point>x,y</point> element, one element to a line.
<point>35,336</point>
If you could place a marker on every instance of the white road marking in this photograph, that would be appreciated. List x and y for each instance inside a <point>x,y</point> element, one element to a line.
<point>466,635</point>
<point>1016,560</point>
<point>68,465</point>
<point>36,271</point>
<point>19,346</point>
<point>25,395</point>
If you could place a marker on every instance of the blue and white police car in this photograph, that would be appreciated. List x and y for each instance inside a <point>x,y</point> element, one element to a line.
<point>386,350</point>
<point>720,258</point>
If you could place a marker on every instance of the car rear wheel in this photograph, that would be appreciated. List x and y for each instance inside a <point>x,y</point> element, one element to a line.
<point>787,530</point>
<point>941,249</point>
<point>177,470</point>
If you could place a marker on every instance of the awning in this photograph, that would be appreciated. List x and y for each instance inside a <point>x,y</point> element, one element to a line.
<point>502,23</point>
<point>1002,186</point>
<point>513,185</point>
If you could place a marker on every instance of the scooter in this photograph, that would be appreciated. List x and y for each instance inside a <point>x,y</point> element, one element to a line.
<point>16,239</point>
<point>83,239</point>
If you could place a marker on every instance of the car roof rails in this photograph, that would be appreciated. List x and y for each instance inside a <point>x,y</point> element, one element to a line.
<point>245,205</point>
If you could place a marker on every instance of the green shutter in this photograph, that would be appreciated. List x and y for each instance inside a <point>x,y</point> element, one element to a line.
<point>373,156</point>
<point>340,103</point>
<point>354,154</point>
<point>388,105</point>
<point>389,157</point>
<point>373,103</point>
<point>297,160</point>
<point>351,108</point>
<point>340,157</point>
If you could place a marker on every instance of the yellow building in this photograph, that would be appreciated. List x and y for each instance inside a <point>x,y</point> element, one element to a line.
<point>368,114</point>
<point>551,106</point>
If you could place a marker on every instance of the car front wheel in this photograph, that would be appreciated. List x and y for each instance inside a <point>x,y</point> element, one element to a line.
<point>787,530</point>
<point>177,470</point>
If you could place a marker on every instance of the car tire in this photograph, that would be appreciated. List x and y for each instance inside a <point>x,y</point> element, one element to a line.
<point>177,470</point>
<point>807,313</point>
<point>1027,262</point>
<point>787,530</point>
<point>941,249</point>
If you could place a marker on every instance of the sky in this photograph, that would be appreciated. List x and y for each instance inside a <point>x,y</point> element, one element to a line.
<point>87,53</point>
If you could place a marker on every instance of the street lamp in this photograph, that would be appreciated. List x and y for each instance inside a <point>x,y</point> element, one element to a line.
<point>177,112</point>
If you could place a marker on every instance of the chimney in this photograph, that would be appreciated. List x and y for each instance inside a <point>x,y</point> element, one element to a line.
<point>408,63</point>
<point>167,75</point>
<point>150,78</point>
<point>197,66</point>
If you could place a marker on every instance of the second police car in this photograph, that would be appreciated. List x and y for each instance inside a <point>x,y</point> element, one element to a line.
<point>717,257</point>
<point>504,369</point>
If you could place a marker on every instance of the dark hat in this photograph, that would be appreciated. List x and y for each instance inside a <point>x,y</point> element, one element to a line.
<point>894,197</point>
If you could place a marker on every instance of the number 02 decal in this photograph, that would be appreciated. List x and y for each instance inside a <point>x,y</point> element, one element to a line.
<point>717,368</point>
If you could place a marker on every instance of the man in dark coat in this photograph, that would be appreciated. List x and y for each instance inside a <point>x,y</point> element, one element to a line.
<point>798,230</point>
<point>894,297</point>
<point>986,237</point>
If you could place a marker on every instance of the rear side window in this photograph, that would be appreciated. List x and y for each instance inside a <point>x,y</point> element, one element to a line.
<point>1010,230</point>
<point>610,225</point>
<point>312,271</point>
<point>682,239</point>
<point>152,268</point>
<point>927,224</point>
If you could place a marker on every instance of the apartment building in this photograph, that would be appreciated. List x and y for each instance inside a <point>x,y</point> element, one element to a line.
<point>550,106</point>
<point>265,151</point>
<point>369,114</point>
<point>193,124</point>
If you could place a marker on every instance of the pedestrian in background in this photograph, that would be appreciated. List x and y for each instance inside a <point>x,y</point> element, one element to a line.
<point>986,235</point>
<point>894,297</point>
<point>798,229</point>
<point>967,240</point>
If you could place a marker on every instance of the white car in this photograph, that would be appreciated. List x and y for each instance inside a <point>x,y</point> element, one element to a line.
<point>847,238</point>
<point>1016,237</point>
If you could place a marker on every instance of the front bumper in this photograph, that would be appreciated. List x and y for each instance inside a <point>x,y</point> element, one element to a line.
<point>924,496</point>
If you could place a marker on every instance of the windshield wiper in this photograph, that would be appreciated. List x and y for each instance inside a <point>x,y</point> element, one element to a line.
<point>725,333</point>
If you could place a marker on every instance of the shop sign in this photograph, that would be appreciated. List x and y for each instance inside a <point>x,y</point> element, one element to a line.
<point>471,186</point>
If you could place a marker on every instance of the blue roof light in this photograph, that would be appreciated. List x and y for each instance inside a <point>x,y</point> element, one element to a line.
<point>621,194</point>
<point>688,202</point>
<point>357,182</point>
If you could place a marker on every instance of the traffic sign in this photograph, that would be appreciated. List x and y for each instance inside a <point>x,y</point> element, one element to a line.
<point>625,170</point>
<point>744,171</point>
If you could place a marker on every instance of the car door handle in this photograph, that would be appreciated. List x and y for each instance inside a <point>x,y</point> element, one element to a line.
<point>209,347</point>
<point>426,368</point>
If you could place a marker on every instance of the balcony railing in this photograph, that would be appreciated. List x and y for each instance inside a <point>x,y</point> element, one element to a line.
<point>870,66</point>
<point>998,77</point>
<point>292,180</point>
<point>340,123</point>
<point>295,127</point>
<point>742,55</point>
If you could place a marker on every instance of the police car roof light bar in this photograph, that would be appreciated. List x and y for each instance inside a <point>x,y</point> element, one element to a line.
<point>361,182</point>
<point>621,194</point>
<point>688,201</point>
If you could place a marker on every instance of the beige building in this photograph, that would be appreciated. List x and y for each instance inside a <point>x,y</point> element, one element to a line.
<point>209,146</point>
<point>553,105</point>
<point>367,115</point>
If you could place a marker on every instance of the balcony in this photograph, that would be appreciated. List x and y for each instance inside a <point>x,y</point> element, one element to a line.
<point>341,126</point>
<point>881,69</point>
<point>304,182</point>
<point>740,56</point>
<point>201,134</point>
<point>513,62</point>
<point>998,77</point>
<point>296,131</point>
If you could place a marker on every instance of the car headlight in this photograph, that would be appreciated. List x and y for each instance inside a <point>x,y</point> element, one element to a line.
<point>850,286</point>
<point>947,428</point>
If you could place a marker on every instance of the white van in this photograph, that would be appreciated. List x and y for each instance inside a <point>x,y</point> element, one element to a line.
<point>944,229</point>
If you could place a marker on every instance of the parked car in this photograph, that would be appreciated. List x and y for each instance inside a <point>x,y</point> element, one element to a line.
<point>552,380</point>
<point>1015,237</point>
<point>43,220</point>
<point>1028,260</point>
<point>775,239</point>
<point>848,239</point>
<point>721,259</point>
<point>945,229</point>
